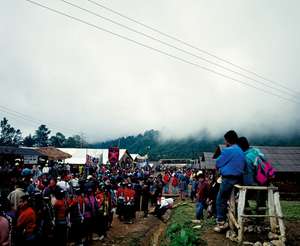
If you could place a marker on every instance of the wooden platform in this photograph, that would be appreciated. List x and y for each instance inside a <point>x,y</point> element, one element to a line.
<point>237,216</point>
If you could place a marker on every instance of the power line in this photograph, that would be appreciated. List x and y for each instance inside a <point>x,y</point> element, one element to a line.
<point>195,47</point>
<point>159,51</point>
<point>175,47</point>
<point>28,118</point>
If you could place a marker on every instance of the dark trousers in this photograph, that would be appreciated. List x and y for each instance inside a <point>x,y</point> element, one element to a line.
<point>223,196</point>
<point>159,212</point>
<point>60,234</point>
<point>200,205</point>
<point>76,231</point>
<point>88,228</point>
<point>29,240</point>
<point>129,212</point>
<point>145,205</point>
<point>101,224</point>
<point>193,195</point>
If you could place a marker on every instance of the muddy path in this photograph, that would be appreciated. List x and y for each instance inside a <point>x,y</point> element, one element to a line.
<point>217,239</point>
<point>144,232</point>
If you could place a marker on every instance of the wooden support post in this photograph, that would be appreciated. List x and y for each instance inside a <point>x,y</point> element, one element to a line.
<point>232,221</point>
<point>280,215</point>
<point>232,212</point>
<point>232,203</point>
<point>240,212</point>
<point>272,210</point>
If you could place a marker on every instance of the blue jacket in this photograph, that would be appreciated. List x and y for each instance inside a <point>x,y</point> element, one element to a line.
<point>231,162</point>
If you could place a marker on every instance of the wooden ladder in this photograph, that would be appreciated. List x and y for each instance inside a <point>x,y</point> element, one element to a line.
<point>236,216</point>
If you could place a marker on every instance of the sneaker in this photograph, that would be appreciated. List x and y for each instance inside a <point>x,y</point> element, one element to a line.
<point>95,238</point>
<point>197,227</point>
<point>221,226</point>
<point>101,238</point>
<point>196,221</point>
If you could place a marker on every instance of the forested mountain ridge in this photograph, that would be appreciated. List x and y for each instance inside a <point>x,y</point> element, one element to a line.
<point>191,147</point>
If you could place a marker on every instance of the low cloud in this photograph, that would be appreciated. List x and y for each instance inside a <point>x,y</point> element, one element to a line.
<point>74,78</point>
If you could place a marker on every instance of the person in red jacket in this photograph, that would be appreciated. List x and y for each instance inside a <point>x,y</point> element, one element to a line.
<point>201,196</point>
<point>61,212</point>
<point>129,211</point>
<point>26,223</point>
<point>121,201</point>
<point>174,183</point>
<point>102,199</point>
<point>76,210</point>
<point>166,180</point>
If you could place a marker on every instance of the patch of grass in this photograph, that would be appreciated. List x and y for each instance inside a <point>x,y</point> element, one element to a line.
<point>291,210</point>
<point>180,229</point>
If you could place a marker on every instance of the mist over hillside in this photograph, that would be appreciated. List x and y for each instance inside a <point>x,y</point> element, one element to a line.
<point>157,147</point>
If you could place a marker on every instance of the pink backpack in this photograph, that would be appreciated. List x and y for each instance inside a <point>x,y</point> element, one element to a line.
<point>265,172</point>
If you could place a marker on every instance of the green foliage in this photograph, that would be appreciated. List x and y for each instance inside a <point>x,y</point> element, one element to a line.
<point>29,141</point>
<point>41,136</point>
<point>181,235</point>
<point>291,209</point>
<point>180,230</point>
<point>9,136</point>
<point>74,142</point>
<point>59,140</point>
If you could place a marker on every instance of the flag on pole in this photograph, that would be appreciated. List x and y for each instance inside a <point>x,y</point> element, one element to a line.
<point>113,155</point>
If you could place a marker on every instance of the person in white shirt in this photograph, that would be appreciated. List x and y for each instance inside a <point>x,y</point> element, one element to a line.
<point>15,196</point>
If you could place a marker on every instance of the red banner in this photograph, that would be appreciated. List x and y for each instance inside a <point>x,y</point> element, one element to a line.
<point>113,155</point>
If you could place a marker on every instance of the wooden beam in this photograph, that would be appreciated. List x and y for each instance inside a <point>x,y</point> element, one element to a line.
<point>232,212</point>
<point>256,187</point>
<point>271,206</point>
<point>232,221</point>
<point>241,207</point>
<point>258,216</point>
<point>280,215</point>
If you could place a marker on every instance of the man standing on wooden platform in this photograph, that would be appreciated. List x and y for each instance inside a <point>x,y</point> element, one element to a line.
<point>231,164</point>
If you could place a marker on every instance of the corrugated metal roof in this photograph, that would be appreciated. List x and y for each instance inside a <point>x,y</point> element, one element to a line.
<point>284,159</point>
<point>7,150</point>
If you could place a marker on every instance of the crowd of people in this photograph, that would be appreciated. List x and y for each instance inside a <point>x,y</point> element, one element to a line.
<point>200,186</point>
<point>53,206</point>
<point>236,163</point>
<point>56,205</point>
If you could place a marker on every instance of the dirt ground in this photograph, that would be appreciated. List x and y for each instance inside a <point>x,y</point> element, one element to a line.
<point>216,239</point>
<point>292,231</point>
<point>141,232</point>
<point>146,231</point>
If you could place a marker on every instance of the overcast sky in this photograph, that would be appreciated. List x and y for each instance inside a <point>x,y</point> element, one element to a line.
<point>75,78</point>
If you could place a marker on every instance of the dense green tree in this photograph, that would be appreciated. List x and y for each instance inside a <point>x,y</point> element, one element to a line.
<point>29,141</point>
<point>75,142</point>
<point>59,140</point>
<point>41,136</point>
<point>9,136</point>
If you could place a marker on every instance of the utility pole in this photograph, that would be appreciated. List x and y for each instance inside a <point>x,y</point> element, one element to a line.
<point>82,137</point>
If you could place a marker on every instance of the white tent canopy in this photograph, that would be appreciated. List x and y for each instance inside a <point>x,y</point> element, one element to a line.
<point>79,155</point>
